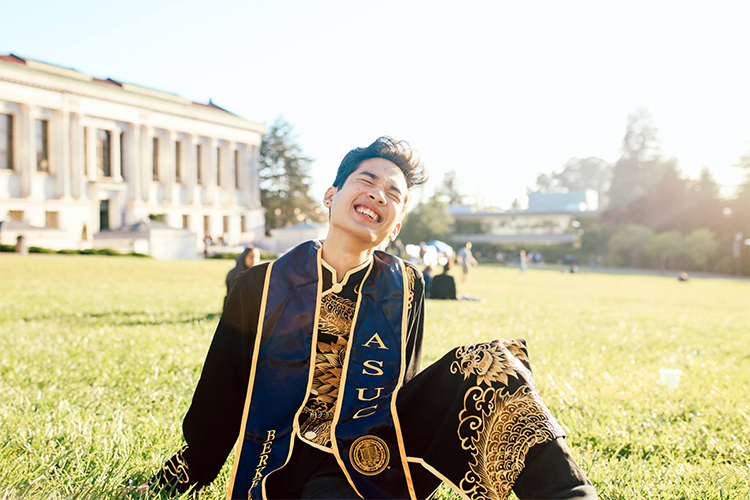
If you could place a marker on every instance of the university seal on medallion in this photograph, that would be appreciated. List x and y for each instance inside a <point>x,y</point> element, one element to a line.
<point>369,455</point>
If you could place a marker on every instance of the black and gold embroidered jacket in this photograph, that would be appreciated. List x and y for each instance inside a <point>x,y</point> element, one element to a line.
<point>473,419</point>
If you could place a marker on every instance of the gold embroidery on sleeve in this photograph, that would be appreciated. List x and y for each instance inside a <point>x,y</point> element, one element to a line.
<point>491,362</point>
<point>498,429</point>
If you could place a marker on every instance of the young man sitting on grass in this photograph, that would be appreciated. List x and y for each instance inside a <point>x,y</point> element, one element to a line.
<point>315,366</point>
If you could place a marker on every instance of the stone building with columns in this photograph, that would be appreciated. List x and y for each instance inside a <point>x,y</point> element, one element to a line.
<point>83,155</point>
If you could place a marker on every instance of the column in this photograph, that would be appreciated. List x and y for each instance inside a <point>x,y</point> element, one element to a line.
<point>132,157</point>
<point>247,177</point>
<point>190,163</point>
<point>27,156</point>
<point>168,155</point>
<point>62,151</point>
<point>231,174</point>
<point>91,153</point>
<point>76,156</point>
<point>114,152</point>
<point>210,184</point>
<point>255,177</point>
<point>146,167</point>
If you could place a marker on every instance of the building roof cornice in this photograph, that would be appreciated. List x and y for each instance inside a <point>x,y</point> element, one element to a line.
<point>55,78</point>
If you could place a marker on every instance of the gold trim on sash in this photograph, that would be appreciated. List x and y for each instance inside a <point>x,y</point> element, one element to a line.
<point>396,423</point>
<point>251,380</point>
<point>342,386</point>
<point>313,352</point>
<point>437,474</point>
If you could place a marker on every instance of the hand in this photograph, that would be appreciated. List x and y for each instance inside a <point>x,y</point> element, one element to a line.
<point>136,490</point>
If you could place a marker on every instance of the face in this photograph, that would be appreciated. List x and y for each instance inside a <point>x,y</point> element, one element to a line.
<point>370,205</point>
<point>252,257</point>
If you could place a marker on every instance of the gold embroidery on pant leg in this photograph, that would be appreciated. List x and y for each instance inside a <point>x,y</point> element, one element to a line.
<point>498,429</point>
<point>177,467</point>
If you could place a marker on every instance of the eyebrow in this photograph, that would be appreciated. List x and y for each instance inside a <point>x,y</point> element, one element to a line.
<point>376,177</point>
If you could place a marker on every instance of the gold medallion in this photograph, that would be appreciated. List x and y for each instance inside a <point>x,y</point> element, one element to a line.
<point>369,455</point>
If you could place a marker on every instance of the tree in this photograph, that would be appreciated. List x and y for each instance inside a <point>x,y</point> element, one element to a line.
<point>428,221</point>
<point>700,246</point>
<point>665,246</point>
<point>640,167</point>
<point>578,174</point>
<point>449,189</point>
<point>285,178</point>
<point>630,240</point>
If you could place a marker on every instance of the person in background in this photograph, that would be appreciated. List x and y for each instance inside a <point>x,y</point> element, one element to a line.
<point>523,260</point>
<point>247,259</point>
<point>466,259</point>
<point>444,285</point>
<point>207,242</point>
<point>428,273</point>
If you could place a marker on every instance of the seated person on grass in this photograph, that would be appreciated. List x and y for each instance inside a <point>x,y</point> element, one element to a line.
<point>313,373</point>
<point>444,285</point>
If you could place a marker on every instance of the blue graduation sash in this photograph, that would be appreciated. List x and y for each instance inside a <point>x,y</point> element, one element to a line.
<point>365,435</point>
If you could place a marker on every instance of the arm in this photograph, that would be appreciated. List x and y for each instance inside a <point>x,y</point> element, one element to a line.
<point>213,421</point>
<point>416,327</point>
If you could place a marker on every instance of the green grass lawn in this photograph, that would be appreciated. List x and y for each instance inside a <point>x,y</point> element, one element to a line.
<point>99,357</point>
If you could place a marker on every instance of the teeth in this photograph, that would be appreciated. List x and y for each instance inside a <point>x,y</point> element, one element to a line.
<point>366,211</point>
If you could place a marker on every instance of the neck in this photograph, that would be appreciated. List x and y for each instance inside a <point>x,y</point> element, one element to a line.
<point>343,254</point>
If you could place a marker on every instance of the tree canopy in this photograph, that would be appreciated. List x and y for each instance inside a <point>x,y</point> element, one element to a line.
<point>285,178</point>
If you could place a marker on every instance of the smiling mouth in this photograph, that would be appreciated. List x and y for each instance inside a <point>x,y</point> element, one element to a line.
<point>367,212</point>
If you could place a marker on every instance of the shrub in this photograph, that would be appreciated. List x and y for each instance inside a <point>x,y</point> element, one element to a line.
<point>40,250</point>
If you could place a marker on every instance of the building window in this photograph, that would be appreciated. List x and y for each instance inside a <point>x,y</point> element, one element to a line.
<point>199,163</point>
<point>104,215</point>
<point>226,224</point>
<point>6,141</point>
<point>42,153</point>
<point>186,222</point>
<point>104,153</point>
<point>236,168</point>
<point>155,158</point>
<point>178,161</point>
<point>51,219</point>
<point>206,224</point>
<point>218,166</point>
<point>16,215</point>
<point>243,223</point>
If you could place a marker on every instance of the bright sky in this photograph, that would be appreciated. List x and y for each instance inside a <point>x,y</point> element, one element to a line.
<point>498,91</point>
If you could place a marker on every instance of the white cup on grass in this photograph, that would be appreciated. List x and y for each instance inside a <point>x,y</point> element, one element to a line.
<point>670,377</point>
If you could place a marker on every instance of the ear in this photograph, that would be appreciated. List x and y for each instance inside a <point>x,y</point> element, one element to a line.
<point>328,197</point>
<point>394,233</point>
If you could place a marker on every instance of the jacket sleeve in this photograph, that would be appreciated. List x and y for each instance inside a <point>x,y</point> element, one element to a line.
<point>415,325</point>
<point>212,424</point>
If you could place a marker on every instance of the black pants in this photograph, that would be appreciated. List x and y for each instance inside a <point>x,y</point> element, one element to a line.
<point>328,482</point>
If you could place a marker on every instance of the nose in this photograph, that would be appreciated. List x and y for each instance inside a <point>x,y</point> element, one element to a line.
<point>377,196</point>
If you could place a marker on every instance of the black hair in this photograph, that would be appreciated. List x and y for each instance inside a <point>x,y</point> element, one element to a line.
<point>398,152</point>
